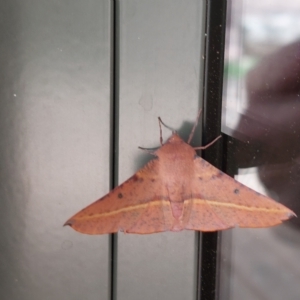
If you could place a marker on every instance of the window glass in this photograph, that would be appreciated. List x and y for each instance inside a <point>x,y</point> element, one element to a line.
<point>261,110</point>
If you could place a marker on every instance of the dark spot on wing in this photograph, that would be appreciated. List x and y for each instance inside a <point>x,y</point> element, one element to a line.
<point>152,180</point>
<point>120,195</point>
<point>137,178</point>
<point>236,191</point>
<point>200,178</point>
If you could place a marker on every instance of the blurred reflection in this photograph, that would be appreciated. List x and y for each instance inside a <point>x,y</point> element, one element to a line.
<point>261,110</point>
<point>273,92</point>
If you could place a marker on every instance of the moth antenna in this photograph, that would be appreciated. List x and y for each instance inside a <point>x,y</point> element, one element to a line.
<point>194,127</point>
<point>208,145</point>
<point>160,130</point>
<point>150,151</point>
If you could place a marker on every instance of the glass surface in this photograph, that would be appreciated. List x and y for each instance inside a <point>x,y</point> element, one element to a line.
<point>261,110</point>
<point>160,75</point>
<point>54,147</point>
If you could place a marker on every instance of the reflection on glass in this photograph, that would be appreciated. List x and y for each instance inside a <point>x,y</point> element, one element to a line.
<point>262,111</point>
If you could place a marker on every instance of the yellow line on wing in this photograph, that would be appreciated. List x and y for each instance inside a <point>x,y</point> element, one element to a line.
<point>128,209</point>
<point>159,202</point>
<point>233,205</point>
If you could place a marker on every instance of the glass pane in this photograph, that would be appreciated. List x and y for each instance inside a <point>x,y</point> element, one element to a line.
<point>261,110</point>
<point>54,147</point>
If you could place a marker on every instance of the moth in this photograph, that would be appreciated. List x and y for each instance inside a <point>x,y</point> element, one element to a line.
<point>178,190</point>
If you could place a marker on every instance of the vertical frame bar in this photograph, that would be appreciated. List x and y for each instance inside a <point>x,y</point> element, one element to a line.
<point>212,107</point>
<point>114,135</point>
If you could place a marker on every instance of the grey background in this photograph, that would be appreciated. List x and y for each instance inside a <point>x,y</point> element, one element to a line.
<point>55,103</point>
<point>55,98</point>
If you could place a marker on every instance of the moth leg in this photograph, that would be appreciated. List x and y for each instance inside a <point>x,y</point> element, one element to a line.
<point>149,151</point>
<point>208,145</point>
